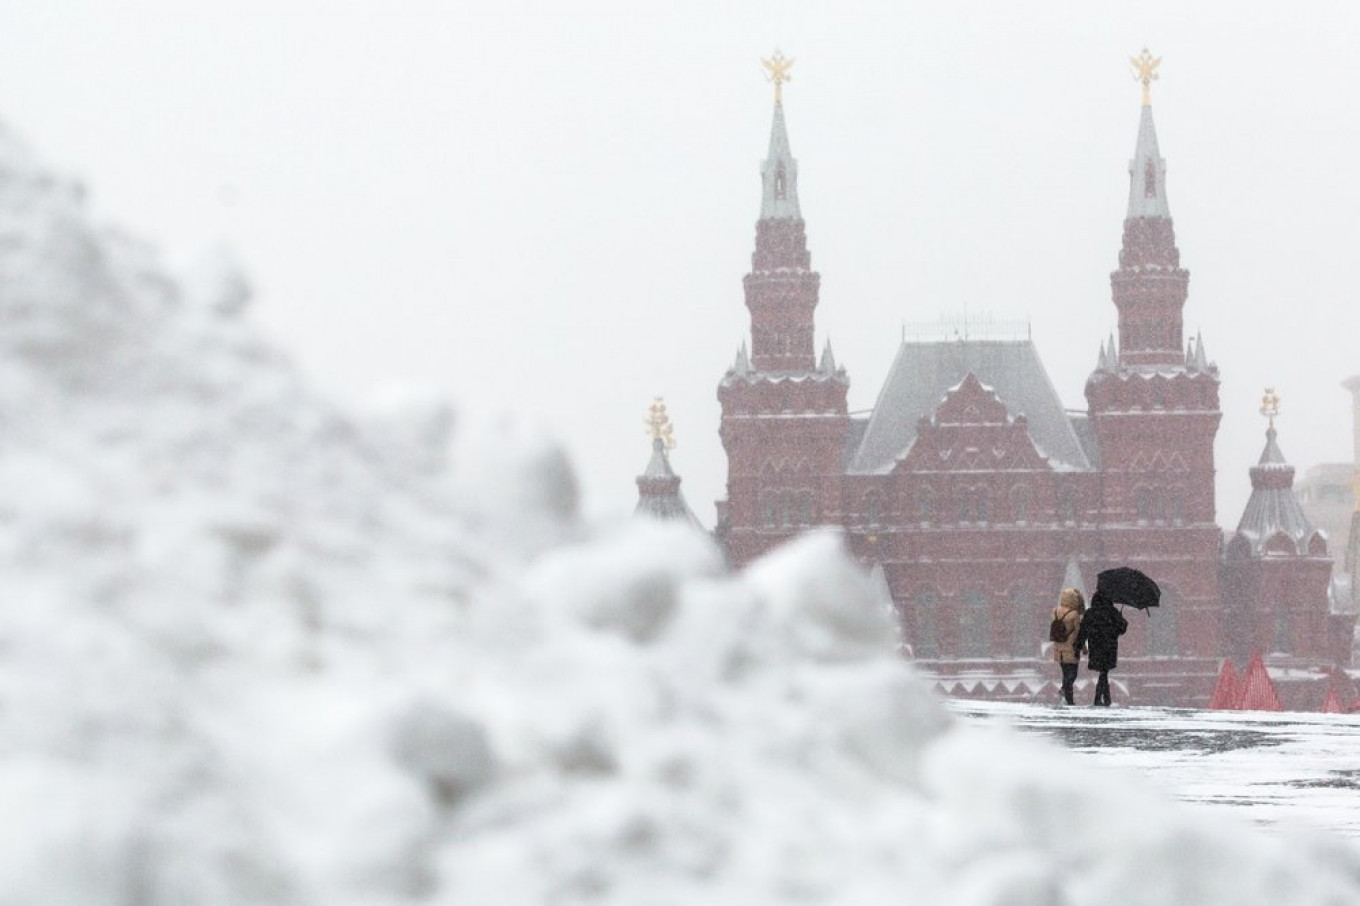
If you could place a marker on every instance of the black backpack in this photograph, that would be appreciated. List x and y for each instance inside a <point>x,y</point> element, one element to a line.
<point>1057,630</point>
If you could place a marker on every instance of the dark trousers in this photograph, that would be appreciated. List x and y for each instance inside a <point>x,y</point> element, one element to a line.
<point>1069,672</point>
<point>1103,689</point>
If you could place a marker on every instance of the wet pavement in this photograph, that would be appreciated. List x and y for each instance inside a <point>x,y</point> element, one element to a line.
<point>1283,769</point>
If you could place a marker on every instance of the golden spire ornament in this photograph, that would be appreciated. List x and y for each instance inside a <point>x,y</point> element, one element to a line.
<point>659,423</point>
<point>1145,71</point>
<point>778,74</point>
<point>1270,406</point>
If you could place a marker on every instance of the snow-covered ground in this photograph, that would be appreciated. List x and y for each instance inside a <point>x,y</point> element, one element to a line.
<point>1280,771</point>
<point>255,649</point>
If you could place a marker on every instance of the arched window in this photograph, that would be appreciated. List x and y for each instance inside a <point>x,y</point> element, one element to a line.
<point>1162,634</point>
<point>961,508</point>
<point>1023,623</point>
<point>924,625</point>
<point>1150,180</point>
<point>1158,505</point>
<point>768,507</point>
<point>1067,505</point>
<point>780,186</point>
<point>1020,504</point>
<point>873,508</point>
<point>1142,503</point>
<point>1283,643</point>
<point>807,509</point>
<point>980,505</point>
<point>975,629</point>
<point>926,504</point>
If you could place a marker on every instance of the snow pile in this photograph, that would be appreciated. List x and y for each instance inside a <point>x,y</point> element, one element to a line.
<point>255,651</point>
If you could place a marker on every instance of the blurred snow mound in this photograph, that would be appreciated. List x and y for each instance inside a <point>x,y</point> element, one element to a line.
<point>256,650</point>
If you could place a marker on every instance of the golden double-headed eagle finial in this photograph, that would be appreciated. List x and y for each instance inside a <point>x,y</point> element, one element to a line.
<point>1270,406</point>
<point>659,423</point>
<point>1145,71</point>
<point>778,68</point>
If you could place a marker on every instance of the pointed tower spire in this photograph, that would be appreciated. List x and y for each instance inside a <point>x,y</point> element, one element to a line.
<point>828,364</point>
<point>742,366</point>
<point>658,486</point>
<point>1150,286</point>
<point>1272,508</point>
<point>1147,173</point>
<point>1103,360</point>
<point>1201,357</point>
<point>779,171</point>
<point>1147,170</point>
<point>782,288</point>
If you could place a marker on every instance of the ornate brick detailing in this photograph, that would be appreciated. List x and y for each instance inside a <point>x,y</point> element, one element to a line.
<point>780,244</point>
<point>971,432</point>
<point>1149,290</point>
<point>782,294</point>
<point>1149,242</point>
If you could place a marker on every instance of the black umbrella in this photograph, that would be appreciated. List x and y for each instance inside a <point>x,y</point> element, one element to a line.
<point>1126,585</point>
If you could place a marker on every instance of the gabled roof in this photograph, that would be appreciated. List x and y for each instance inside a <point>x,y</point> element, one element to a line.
<point>853,437</point>
<point>924,371</point>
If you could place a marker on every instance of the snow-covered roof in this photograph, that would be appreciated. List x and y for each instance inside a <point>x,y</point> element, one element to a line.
<point>659,489</point>
<point>1273,511</point>
<point>924,371</point>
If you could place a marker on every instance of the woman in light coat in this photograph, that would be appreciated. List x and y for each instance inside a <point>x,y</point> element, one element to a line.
<point>1071,606</point>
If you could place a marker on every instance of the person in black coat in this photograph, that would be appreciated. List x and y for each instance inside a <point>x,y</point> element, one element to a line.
<point>1100,630</point>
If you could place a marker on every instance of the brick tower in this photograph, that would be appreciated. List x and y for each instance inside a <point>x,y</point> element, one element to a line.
<point>784,416</point>
<point>1154,406</point>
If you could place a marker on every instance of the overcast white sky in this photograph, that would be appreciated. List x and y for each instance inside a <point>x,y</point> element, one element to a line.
<point>548,208</point>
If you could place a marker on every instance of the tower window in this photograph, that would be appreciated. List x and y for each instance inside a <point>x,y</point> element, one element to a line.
<point>926,504</point>
<point>873,509</point>
<point>1282,641</point>
<point>1142,502</point>
<point>977,616</point>
<point>1150,180</point>
<point>1067,505</point>
<point>925,640</point>
<point>780,185</point>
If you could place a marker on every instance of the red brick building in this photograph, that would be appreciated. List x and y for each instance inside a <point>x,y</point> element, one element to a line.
<point>979,495</point>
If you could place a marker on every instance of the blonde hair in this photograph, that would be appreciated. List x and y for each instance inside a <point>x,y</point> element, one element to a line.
<point>1072,599</point>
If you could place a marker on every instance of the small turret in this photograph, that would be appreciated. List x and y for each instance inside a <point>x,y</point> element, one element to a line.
<point>658,486</point>
<point>828,364</point>
<point>742,366</point>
